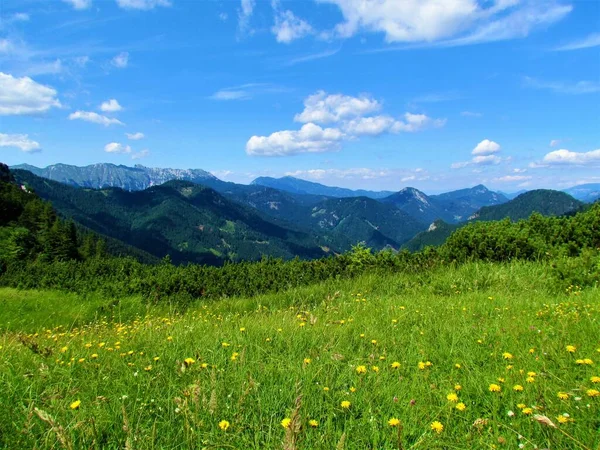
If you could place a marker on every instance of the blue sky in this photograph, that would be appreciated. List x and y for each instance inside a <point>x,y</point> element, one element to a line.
<point>376,94</point>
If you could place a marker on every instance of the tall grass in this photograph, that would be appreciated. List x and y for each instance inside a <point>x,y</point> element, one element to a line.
<point>226,374</point>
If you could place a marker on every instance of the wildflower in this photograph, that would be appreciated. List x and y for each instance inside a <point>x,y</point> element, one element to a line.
<point>345,404</point>
<point>224,424</point>
<point>507,355</point>
<point>437,427</point>
<point>242,329</point>
<point>362,335</point>
<point>588,362</point>
<point>521,405</point>
<point>148,368</point>
<point>457,387</point>
<point>501,380</point>
<point>510,414</point>
<point>527,411</point>
<point>393,422</point>
<point>361,370</point>
<point>307,360</point>
<point>326,389</point>
<point>156,358</point>
<point>352,389</point>
<point>592,393</point>
<point>457,365</point>
<point>562,419</point>
<point>94,356</point>
<point>452,397</point>
<point>531,351</point>
<point>75,405</point>
<point>189,361</point>
<point>374,342</point>
<point>595,379</point>
<point>234,356</point>
<point>225,344</point>
<point>375,369</point>
<point>302,324</point>
<point>531,374</point>
<point>421,365</point>
<point>571,348</point>
<point>64,349</point>
<point>530,379</point>
<point>517,388</point>
<point>169,338</point>
<point>563,395</point>
<point>494,388</point>
<point>461,406</point>
<point>313,423</point>
<point>395,365</point>
<point>285,423</point>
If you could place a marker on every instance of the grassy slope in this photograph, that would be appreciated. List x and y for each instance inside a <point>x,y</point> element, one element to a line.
<point>468,316</point>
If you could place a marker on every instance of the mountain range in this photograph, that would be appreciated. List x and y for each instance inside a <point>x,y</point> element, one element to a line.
<point>196,217</point>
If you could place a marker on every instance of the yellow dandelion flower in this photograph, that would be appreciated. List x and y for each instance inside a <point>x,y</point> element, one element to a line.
<point>362,335</point>
<point>352,389</point>
<point>393,422</point>
<point>345,404</point>
<point>563,395</point>
<point>361,370</point>
<point>527,411</point>
<point>507,355</point>
<point>395,365</point>
<point>531,374</point>
<point>189,361</point>
<point>571,348</point>
<point>224,425</point>
<point>452,397</point>
<point>518,388</point>
<point>592,393</point>
<point>457,387</point>
<point>242,329</point>
<point>313,423</point>
<point>562,419</point>
<point>326,389</point>
<point>94,356</point>
<point>156,358</point>
<point>458,366</point>
<point>302,324</point>
<point>375,369</point>
<point>225,344</point>
<point>509,367</point>
<point>307,360</point>
<point>588,362</point>
<point>530,379</point>
<point>521,405</point>
<point>169,338</point>
<point>374,342</point>
<point>64,349</point>
<point>437,427</point>
<point>595,379</point>
<point>285,423</point>
<point>75,405</point>
<point>531,351</point>
<point>461,406</point>
<point>494,388</point>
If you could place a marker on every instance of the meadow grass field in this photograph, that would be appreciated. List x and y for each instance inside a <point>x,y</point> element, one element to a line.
<point>476,356</point>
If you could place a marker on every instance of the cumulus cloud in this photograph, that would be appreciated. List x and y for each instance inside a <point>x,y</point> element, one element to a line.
<point>90,116</point>
<point>144,5</point>
<point>593,40</point>
<point>111,105</point>
<point>323,108</point>
<point>288,27</point>
<point>19,96</point>
<point>79,4</point>
<point>244,15</point>
<point>121,60</point>
<point>141,154</point>
<point>351,118</point>
<point>567,157</point>
<point>20,141</point>
<point>116,147</point>
<point>486,147</point>
<point>457,22</point>
<point>310,138</point>
<point>135,136</point>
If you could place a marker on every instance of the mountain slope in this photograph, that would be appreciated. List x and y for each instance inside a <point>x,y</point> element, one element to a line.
<point>464,202</point>
<point>363,219</point>
<point>417,205</point>
<point>298,186</point>
<point>110,175</point>
<point>543,201</point>
<point>192,223</point>
<point>435,235</point>
<point>588,193</point>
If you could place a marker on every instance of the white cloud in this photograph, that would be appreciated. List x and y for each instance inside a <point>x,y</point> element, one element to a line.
<point>79,4</point>
<point>456,22</point>
<point>470,114</point>
<point>89,116</point>
<point>231,94</point>
<point>121,60</point>
<point>6,46</point>
<point>144,5</point>
<point>512,178</point>
<point>323,108</point>
<point>361,173</point>
<point>19,96</point>
<point>116,147</point>
<point>377,125</point>
<point>310,138</point>
<point>288,27</point>
<point>111,105</point>
<point>20,141</point>
<point>135,136</point>
<point>244,15</point>
<point>141,154</point>
<point>555,142</point>
<point>593,40</point>
<point>486,147</point>
<point>486,160</point>
<point>580,87</point>
<point>19,17</point>
<point>567,157</point>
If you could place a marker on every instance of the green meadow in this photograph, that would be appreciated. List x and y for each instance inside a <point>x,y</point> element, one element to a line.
<point>478,355</point>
